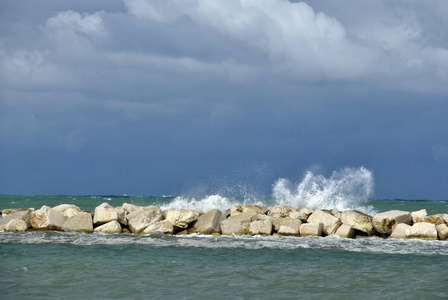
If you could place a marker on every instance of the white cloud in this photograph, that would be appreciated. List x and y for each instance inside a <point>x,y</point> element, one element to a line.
<point>71,21</point>
<point>388,51</point>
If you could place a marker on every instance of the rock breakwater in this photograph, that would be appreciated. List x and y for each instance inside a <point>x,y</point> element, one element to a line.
<point>279,220</point>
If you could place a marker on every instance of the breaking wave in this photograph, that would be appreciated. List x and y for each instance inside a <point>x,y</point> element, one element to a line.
<point>348,188</point>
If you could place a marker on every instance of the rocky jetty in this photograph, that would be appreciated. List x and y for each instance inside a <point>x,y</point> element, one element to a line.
<point>280,220</point>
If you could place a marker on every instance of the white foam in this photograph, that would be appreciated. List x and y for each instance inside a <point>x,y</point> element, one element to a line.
<point>209,202</point>
<point>372,245</point>
<point>349,188</point>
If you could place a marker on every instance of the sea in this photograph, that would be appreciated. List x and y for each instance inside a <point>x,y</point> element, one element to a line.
<point>59,265</point>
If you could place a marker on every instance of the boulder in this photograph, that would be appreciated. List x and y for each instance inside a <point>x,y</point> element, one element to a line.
<point>164,227</point>
<point>182,218</point>
<point>335,212</point>
<point>311,229</point>
<point>261,227</point>
<point>281,211</point>
<point>122,215</point>
<point>287,222</point>
<point>24,215</point>
<point>345,231</point>
<point>442,230</point>
<point>104,213</point>
<point>248,208</point>
<point>10,211</point>
<point>288,231</point>
<point>302,214</point>
<point>130,207</point>
<point>258,217</point>
<point>81,222</point>
<point>16,225</point>
<point>209,223</point>
<point>385,222</point>
<point>435,219</point>
<point>141,218</point>
<point>237,224</point>
<point>419,216</point>
<point>47,218</point>
<point>330,222</point>
<point>422,230</point>
<point>110,227</point>
<point>67,210</point>
<point>287,226</point>
<point>445,218</point>
<point>358,220</point>
<point>400,231</point>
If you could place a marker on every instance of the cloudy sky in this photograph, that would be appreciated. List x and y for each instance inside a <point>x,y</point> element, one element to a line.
<point>179,96</point>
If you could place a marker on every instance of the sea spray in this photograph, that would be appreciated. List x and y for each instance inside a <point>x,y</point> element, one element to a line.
<point>348,188</point>
<point>204,204</point>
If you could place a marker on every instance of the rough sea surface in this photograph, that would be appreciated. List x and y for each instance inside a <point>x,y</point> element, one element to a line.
<point>56,265</point>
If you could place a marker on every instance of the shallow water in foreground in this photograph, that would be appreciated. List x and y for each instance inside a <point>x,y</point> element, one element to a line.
<point>73,265</point>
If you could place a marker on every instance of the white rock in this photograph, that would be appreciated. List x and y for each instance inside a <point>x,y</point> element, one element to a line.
<point>400,231</point>
<point>445,218</point>
<point>16,225</point>
<point>130,207</point>
<point>110,227</point>
<point>104,213</point>
<point>67,210</point>
<point>209,223</point>
<point>47,218</point>
<point>422,230</point>
<point>141,218</point>
<point>261,227</point>
<point>345,231</point>
<point>419,216</point>
<point>182,218</point>
<point>238,224</point>
<point>10,211</point>
<point>164,227</point>
<point>302,214</point>
<point>81,222</point>
<point>286,222</point>
<point>122,215</point>
<point>288,226</point>
<point>385,222</point>
<point>248,208</point>
<point>435,219</point>
<point>258,217</point>
<point>330,222</point>
<point>442,230</point>
<point>311,229</point>
<point>358,220</point>
<point>16,214</point>
<point>281,211</point>
<point>335,212</point>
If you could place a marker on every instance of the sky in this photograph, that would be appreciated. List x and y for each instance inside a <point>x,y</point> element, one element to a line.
<point>202,96</point>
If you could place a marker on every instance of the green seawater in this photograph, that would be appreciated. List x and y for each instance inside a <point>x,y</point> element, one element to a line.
<point>89,202</point>
<point>58,265</point>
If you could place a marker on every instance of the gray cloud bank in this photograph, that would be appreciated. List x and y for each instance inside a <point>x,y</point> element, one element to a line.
<point>152,97</point>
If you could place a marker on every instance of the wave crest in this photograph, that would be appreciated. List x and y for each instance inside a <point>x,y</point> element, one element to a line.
<point>349,188</point>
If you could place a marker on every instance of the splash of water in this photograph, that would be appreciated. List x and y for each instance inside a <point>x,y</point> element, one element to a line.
<point>204,204</point>
<point>349,188</point>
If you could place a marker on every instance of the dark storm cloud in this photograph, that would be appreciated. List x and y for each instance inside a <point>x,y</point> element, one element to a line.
<point>151,97</point>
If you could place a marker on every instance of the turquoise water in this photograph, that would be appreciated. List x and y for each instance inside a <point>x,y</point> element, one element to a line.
<point>90,202</point>
<point>56,265</point>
